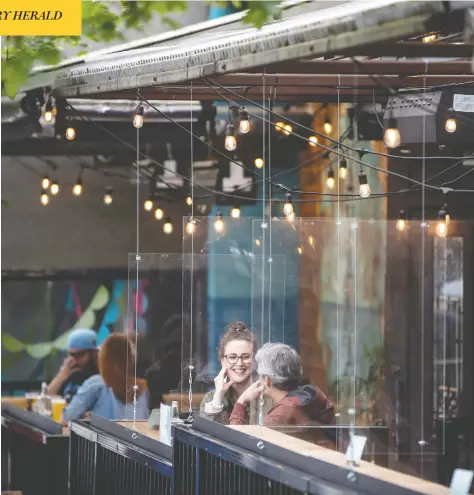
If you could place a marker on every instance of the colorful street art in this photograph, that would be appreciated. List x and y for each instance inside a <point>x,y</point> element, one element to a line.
<point>38,316</point>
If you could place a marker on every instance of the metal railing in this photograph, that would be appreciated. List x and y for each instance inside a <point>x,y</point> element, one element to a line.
<point>105,459</point>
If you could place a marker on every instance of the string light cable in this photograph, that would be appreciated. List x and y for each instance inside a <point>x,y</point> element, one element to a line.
<point>319,134</point>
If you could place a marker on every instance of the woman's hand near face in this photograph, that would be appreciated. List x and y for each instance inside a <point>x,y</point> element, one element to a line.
<point>254,391</point>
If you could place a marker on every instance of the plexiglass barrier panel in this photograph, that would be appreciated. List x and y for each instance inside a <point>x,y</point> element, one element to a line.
<point>224,257</point>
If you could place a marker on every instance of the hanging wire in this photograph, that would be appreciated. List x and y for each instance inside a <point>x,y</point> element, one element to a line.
<point>191,367</point>
<point>263,227</point>
<point>338,229</point>
<point>424,229</point>
<point>138,258</point>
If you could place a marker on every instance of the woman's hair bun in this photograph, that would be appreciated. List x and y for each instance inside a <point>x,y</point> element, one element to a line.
<point>238,327</point>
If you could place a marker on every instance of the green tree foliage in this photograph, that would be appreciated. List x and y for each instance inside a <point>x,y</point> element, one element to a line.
<point>100,23</point>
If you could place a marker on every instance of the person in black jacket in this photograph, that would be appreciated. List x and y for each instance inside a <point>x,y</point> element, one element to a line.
<point>164,374</point>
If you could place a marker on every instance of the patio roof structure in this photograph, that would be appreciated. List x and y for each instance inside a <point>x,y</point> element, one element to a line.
<point>366,49</point>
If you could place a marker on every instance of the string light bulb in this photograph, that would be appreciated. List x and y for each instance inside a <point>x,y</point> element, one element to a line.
<point>159,213</point>
<point>364,188</point>
<point>45,182</point>
<point>287,130</point>
<point>138,116</point>
<point>77,188</point>
<point>108,196</point>
<point>279,126</point>
<point>44,197</point>
<point>168,226</point>
<point>244,126</point>
<point>259,162</point>
<point>442,224</point>
<point>70,133</point>
<point>402,221</point>
<point>230,139</point>
<point>54,188</point>
<point>391,136</point>
<point>288,206</point>
<point>191,227</point>
<point>429,38</point>
<point>343,169</point>
<point>48,110</point>
<point>330,181</point>
<point>189,200</point>
<point>235,212</point>
<point>327,126</point>
<point>148,204</point>
<point>313,141</point>
<point>451,124</point>
<point>300,249</point>
<point>311,241</point>
<point>219,223</point>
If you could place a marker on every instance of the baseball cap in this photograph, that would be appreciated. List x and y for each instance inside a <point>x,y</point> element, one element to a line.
<point>82,339</point>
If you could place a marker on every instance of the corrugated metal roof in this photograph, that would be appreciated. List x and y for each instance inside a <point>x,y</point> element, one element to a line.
<point>313,34</point>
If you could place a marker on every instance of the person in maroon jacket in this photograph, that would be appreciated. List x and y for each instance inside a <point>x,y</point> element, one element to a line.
<point>295,406</point>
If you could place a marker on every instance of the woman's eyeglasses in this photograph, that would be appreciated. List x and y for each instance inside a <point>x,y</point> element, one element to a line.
<point>233,358</point>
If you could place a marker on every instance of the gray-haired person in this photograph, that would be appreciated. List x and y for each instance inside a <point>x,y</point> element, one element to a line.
<point>280,372</point>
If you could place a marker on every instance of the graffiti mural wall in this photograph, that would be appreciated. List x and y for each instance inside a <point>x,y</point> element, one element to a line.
<point>37,316</point>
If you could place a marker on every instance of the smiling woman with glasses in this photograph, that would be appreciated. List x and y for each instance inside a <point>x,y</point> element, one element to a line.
<point>236,351</point>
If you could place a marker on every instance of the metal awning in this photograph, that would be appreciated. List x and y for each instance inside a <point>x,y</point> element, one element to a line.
<point>348,29</point>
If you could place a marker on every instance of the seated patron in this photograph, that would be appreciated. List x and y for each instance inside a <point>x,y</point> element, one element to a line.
<point>280,372</point>
<point>111,393</point>
<point>80,364</point>
<point>236,352</point>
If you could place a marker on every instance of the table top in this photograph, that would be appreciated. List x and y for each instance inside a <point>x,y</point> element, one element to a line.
<point>326,455</point>
<point>143,428</point>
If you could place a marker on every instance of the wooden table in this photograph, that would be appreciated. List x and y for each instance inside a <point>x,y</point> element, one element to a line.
<point>305,448</point>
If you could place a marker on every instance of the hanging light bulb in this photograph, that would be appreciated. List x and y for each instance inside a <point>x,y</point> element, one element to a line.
<point>159,213</point>
<point>45,182</point>
<point>168,226</point>
<point>429,38</point>
<point>138,117</point>
<point>48,110</point>
<point>108,196</point>
<point>230,140</point>
<point>291,217</point>
<point>70,133</point>
<point>288,206</point>
<point>244,126</point>
<point>300,249</point>
<point>191,227</point>
<point>235,212</point>
<point>364,188</point>
<point>287,130</point>
<point>391,136</point>
<point>54,187</point>
<point>257,242</point>
<point>311,241</point>
<point>77,188</point>
<point>44,197</point>
<point>327,126</point>
<point>148,204</point>
<point>279,126</point>
<point>442,224</point>
<point>258,162</point>
<point>189,200</point>
<point>219,223</point>
<point>330,182</point>
<point>313,141</point>
<point>343,169</point>
<point>451,124</point>
<point>402,221</point>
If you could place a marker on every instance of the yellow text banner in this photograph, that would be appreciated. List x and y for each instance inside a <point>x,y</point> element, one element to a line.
<point>40,18</point>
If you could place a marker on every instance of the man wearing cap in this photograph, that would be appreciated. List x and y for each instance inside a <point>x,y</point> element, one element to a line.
<point>80,364</point>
